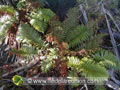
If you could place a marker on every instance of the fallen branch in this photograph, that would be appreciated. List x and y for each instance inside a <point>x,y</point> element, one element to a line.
<point>2,87</point>
<point>112,77</point>
<point>84,14</point>
<point>86,86</point>
<point>82,88</point>
<point>108,13</point>
<point>111,35</point>
<point>31,64</point>
<point>112,85</point>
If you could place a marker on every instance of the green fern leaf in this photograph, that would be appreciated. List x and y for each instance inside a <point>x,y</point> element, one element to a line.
<point>25,50</point>
<point>88,68</point>
<point>5,23</point>
<point>45,14</point>
<point>92,70</point>
<point>7,9</point>
<point>72,19</point>
<point>49,62</point>
<point>99,87</point>
<point>73,62</point>
<point>38,25</point>
<point>72,75</point>
<point>28,34</point>
<point>91,43</point>
<point>21,4</point>
<point>40,19</point>
<point>77,36</point>
<point>106,59</point>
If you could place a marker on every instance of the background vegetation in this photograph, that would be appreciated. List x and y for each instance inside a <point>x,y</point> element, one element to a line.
<point>60,38</point>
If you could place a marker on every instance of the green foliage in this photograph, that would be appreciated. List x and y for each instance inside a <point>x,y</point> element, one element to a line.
<point>25,50</point>
<point>17,80</point>
<point>88,68</point>
<point>21,4</point>
<point>91,43</point>
<point>7,9</point>
<point>106,59</point>
<point>28,34</point>
<point>99,87</point>
<point>58,30</point>
<point>40,19</point>
<point>77,36</point>
<point>45,14</point>
<point>70,22</point>
<point>72,19</point>
<point>111,3</point>
<point>92,70</point>
<point>71,31</point>
<point>48,63</point>
<point>38,25</point>
<point>73,62</point>
<point>5,23</point>
<point>62,29</point>
<point>72,75</point>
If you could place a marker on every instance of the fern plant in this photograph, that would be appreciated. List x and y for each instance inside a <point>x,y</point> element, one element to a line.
<point>28,34</point>
<point>49,62</point>
<point>107,59</point>
<point>6,20</point>
<point>7,9</point>
<point>76,35</point>
<point>31,27</point>
<point>27,30</point>
<point>40,18</point>
<point>87,67</point>
<point>99,87</point>
<point>26,50</point>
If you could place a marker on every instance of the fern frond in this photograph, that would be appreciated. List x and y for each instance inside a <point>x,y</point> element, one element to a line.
<point>88,68</point>
<point>106,59</point>
<point>77,36</point>
<point>99,87</point>
<point>71,21</point>
<point>92,70</point>
<point>5,23</point>
<point>91,43</point>
<point>21,4</point>
<point>73,62</point>
<point>38,25</point>
<point>68,25</point>
<point>25,50</point>
<point>72,75</point>
<point>45,14</point>
<point>30,35</point>
<point>40,19</point>
<point>58,30</point>
<point>7,9</point>
<point>48,63</point>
